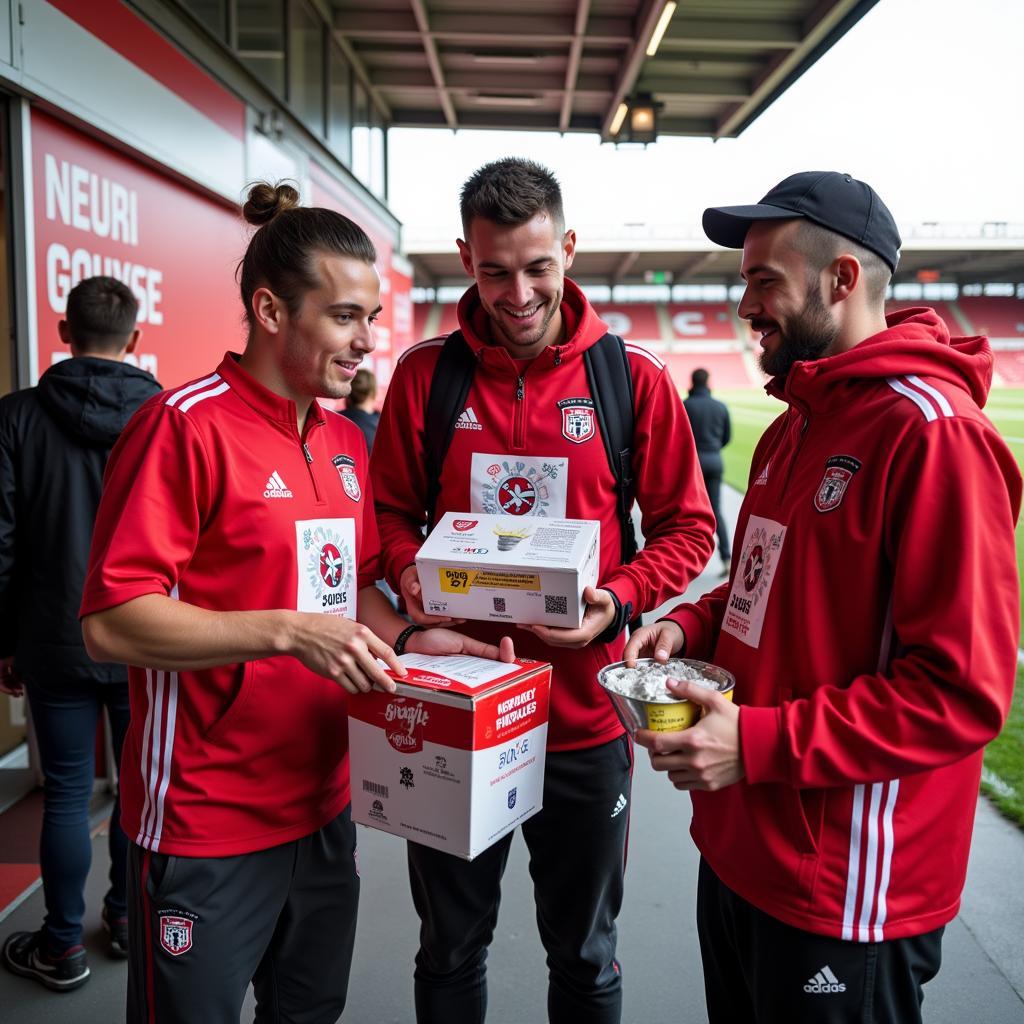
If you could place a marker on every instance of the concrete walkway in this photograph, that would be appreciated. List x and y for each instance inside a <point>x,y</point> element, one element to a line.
<point>981,982</point>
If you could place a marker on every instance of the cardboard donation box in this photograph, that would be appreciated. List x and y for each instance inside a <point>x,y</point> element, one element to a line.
<point>455,758</point>
<point>510,568</point>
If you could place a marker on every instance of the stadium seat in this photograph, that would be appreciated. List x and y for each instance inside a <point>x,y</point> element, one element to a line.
<point>994,317</point>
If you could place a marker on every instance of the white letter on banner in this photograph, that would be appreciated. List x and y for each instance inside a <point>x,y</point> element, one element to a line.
<point>57,282</point>
<point>58,191</point>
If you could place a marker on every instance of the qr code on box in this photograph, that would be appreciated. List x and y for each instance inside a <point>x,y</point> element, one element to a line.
<point>499,604</point>
<point>556,604</point>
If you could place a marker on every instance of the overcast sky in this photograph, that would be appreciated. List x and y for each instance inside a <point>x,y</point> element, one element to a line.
<point>923,100</point>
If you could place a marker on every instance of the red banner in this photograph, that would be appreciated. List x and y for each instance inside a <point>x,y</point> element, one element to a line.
<point>100,212</point>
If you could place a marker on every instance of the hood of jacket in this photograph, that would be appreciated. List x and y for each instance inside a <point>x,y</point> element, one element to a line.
<point>915,342</point>
<point>92,399</point>
<point>582,328</point>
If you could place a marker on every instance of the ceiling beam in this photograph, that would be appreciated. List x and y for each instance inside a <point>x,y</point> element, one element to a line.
<point>494,29</point>
<point>729,34</point>
<point>697,86</point>
<point>430,48</point>
<point>816,29</point>
<point>623,267</point>
<point>646,19</point>
<point>573,66</point>
<point>691,267</point>
<point>361,73</point>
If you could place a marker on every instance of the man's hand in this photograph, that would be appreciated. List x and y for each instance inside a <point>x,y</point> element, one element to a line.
<point>705,756</point>
<point>10,683</point>
<point>659,641</point>
<point>447,641</point>
<point>412,593</point>
<point>343,651</point>
<point>596,619</point>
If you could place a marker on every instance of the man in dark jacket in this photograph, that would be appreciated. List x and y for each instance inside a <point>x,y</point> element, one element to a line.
<point>54,443</point>
<point>709,419</point>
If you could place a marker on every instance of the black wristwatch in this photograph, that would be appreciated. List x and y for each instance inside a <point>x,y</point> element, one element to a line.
<point>403,638</point>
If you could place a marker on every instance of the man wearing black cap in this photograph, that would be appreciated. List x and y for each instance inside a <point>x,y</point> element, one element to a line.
<point>871,622</point>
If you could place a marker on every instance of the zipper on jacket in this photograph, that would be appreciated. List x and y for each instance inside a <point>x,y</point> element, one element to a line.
<point>312,476</point>
<point>794,456</point>
<point>558,356</point>
<point>519,416</point>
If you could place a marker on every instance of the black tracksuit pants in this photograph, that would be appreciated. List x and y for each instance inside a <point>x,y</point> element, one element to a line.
<point>758,970</point>
<point>577,845</point>
<point>200,928</point>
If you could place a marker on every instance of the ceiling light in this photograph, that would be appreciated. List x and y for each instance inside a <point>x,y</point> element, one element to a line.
<point>523,59</point>
<point>494,99</point>
<point>638,120</point>
<point>659,29</point>
<point>620,116</point>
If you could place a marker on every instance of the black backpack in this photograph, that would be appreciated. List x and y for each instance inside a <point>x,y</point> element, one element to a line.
<point>611,388</point>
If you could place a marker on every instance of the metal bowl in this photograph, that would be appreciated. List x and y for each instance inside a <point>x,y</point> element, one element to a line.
<point>670,714</point>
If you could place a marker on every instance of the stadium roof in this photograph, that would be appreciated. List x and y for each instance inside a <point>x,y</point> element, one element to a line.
<point>567,65</point>
<point>961,253</point>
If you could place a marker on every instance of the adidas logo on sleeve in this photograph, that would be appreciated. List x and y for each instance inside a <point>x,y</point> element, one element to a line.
<point>824,982</point>
<point>276,487</point>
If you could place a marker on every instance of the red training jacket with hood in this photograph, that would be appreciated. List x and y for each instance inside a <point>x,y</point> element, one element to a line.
<point>214,496</point>
<point>512,427</point>
<point>871,622</point>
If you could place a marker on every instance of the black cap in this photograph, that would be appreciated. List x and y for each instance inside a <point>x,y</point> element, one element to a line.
<point>835,201</point>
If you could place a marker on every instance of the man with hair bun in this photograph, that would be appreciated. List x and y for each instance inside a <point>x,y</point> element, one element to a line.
<point>871,623</point>
<point>54,443</point>
<point>234,562</point>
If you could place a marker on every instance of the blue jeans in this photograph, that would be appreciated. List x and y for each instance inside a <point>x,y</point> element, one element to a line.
<point>65,714</point>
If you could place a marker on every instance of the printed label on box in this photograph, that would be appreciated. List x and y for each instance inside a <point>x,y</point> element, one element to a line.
<point>452,766</point>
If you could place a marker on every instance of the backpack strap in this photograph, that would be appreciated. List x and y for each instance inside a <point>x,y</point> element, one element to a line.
<point>611,387</point>
<point>449,388</point>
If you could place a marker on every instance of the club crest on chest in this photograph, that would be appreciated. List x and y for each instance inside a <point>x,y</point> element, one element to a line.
<point>579,422</point>
<point>839,471</point>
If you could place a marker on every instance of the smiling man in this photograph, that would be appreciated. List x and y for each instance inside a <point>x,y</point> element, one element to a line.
<point>234,561</point>
<point>871,623</point>
<point>528,442</point>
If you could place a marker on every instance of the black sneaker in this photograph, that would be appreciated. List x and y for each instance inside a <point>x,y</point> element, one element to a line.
<point>25,953</point>
<point>117,934</point>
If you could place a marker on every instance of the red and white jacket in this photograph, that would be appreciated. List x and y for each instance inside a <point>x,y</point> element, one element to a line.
<point>871,621</point>
<point>515,427</point>
<point>212,497</point>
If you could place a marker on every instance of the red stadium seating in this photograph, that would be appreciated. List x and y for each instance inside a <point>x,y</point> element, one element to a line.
<point>727,370</point>
<point>633,321</point>
<point>1009,366</point>
<point>995,317</point>
<point>702,321</point>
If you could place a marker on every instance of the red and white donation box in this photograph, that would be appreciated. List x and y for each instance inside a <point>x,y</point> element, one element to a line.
<point>455,758</point>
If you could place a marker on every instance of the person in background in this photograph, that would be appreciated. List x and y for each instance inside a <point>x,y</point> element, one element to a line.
<point>360,407</point>
<point>871,623</point>
<point>232,567</point>
<point>712,431</point>
<point>54,443</point>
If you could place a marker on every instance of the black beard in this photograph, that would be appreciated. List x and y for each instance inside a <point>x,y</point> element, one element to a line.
<point>807,336</point>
